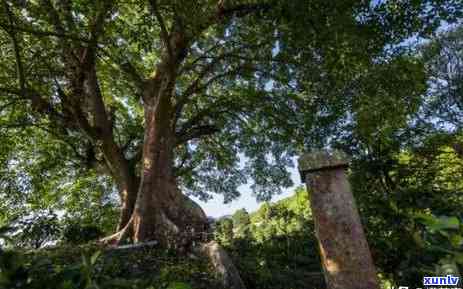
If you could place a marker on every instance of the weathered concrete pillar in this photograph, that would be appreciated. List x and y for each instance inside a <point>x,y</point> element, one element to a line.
<point>344,251</point>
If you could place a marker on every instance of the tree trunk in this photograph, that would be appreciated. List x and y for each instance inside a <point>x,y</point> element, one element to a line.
<point>102,132</point>
<point>161,211</point>
<point>125,178</point>
<point>128,195</point>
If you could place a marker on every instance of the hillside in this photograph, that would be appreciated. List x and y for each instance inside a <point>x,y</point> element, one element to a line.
<point>275,246</point>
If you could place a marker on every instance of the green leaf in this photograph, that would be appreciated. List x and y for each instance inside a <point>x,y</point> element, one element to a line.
<point>459,258</point>
<point>94,257</point>
<point>438,224</point>
<point>446,223</point>
<point>178,285</point>
<point>456,241</point>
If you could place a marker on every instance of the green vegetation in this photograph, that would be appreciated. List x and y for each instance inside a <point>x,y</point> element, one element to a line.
<point>411,201</point>
<point>89,267</point>
<point>274,247</point>
<point>113,113</point>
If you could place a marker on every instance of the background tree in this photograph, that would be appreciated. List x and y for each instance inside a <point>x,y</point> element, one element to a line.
<point>406,172</point>
<point>241,224</point>
<point>281,250</point>
<point>444,62</point>
<point>224,231</point>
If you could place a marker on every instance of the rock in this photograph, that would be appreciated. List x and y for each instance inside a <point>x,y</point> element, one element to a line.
<point>223,265</point>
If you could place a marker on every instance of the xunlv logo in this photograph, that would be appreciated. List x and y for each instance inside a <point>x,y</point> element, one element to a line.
<point>449,280</point>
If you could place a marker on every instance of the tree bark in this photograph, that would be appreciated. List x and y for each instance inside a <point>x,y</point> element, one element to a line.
<point>128,193</point>
<point>126,180</point>
<point>115,160</point>
<point>161,211</point>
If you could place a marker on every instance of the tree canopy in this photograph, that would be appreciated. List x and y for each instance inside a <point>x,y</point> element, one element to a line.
<point>127,108</point>
<point>238,90</point>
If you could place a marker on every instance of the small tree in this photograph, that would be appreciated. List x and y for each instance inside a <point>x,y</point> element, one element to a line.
<point>241,224</point>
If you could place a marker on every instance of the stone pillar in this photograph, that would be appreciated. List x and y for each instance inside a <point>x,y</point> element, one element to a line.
<point>346,258</point>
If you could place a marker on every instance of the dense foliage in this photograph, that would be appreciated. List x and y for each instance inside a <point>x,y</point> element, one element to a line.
<point>247,86</point>
<point>407,173</point>
<point>75,75</point>
<point>87,267</point>
<point>274,247</point>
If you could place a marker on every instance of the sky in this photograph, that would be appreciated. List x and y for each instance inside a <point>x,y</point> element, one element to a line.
<point>216,208</point>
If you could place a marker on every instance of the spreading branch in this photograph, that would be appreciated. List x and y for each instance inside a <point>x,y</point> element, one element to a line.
<point>42,33</point>
<point>196,132</point>
<point>165,35</point>
<point>97,26</point>
<point>17,50</point>
<point>225,11</point>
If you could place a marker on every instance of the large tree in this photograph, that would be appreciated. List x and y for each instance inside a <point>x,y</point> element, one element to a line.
<point>162,95</point>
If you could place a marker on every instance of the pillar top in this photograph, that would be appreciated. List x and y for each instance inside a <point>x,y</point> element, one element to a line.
<point>322,160</point>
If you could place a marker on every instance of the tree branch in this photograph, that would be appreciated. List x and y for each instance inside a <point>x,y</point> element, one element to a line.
<point>196,132</point>
<point>196,87</point>
<point>10,103</point>
<point>195,122</point>
<point>126,67</point>
<point>16,48</point>
<point>239,9</point>
<point>183,99</point>
<point>66,7</point>
<point>54,16</point>
<point>231,72</point>
<point>76,113</point>
<point>98,23</point>
<point>164,33</point>
<point>43,33</point>
<point>11,91</point>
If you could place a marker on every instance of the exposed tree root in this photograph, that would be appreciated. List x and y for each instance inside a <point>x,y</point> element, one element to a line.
<point>117,238</point>
<point>175,221</point>
<point>136,246</point>
<point>224,268</point>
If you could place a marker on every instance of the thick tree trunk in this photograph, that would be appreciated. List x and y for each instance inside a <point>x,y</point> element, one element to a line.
<point>100,128</point>
<point>161,211</point>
